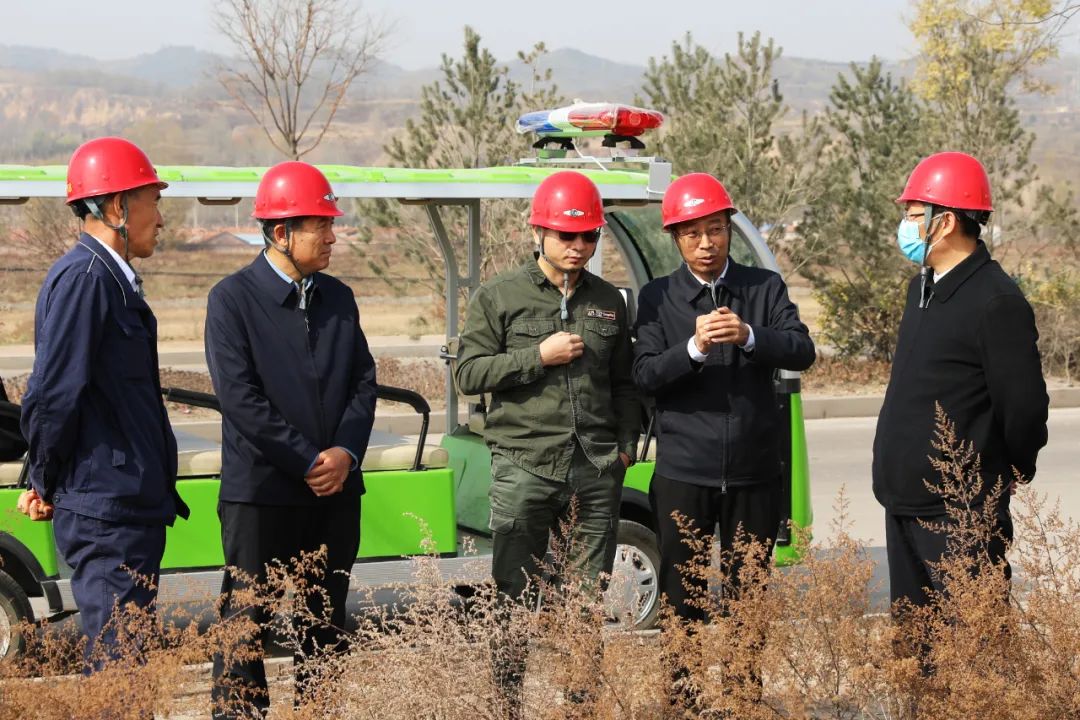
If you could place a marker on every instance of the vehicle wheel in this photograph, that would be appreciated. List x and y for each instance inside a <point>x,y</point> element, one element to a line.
<point>14,611</point>
<point>633,594</point>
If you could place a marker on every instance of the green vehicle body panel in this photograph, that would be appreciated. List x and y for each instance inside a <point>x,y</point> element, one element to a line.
<point>470,460</point>
<point>639,476</point>
<point>510,175</point>
<point>195,542</point>
<point>397,507</point>
<point>35,536</point>
<point>399,510</point>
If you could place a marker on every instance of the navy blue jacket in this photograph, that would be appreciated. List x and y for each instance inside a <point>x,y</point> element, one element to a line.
<point>718,422</point>
<point>974,351</point>
<point>100,440</point>
<point>291,383</point>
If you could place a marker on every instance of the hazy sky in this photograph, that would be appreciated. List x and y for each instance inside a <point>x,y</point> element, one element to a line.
<point>624,30</point>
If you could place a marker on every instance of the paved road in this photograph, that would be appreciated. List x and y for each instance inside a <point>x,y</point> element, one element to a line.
<point>840,456</point>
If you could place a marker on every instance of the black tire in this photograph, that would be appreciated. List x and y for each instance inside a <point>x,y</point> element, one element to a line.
<point>637,556</point>
<point>15,610</point>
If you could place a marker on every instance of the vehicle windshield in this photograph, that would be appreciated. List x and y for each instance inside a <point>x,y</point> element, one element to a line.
<point>656,249</point>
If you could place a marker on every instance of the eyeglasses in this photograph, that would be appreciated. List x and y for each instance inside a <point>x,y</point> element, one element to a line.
<point>589,236</point>
<point>914,217</point>
<point>713,232</point>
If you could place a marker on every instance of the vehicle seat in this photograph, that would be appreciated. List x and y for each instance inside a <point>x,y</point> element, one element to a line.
<point>399,456</point>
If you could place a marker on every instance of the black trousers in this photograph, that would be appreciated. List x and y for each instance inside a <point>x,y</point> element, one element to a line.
<point>753,507</point>
<point>252,537</point>
<point>912,549</point>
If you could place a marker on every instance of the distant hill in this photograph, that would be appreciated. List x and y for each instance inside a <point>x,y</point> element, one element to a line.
<point>50,100</point>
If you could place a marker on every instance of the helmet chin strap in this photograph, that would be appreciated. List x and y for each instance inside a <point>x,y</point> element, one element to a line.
<point>94,206</point>
<point>564,312</point>
<point>287,252</point>
<point>926,290</point>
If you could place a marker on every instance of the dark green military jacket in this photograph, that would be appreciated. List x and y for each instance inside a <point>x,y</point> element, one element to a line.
<point>536,412</point>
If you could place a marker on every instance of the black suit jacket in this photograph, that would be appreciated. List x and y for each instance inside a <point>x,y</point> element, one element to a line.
<point>718,422</point>
<point>291,383</point>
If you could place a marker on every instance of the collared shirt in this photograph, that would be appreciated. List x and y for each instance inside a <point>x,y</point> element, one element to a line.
<point>125,268</point>
<point>303,292</point>
<point>691,346</point>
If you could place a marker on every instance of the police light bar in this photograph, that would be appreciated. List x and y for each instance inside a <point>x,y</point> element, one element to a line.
<point>590,120</point>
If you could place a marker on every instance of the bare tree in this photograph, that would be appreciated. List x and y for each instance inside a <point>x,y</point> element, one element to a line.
<point>298,59</point>
<point>47,230</point>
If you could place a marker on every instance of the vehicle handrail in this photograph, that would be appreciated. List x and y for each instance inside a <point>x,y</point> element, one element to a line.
<point>193,398</point>
<point>419,404</point>
<point>383,392</point>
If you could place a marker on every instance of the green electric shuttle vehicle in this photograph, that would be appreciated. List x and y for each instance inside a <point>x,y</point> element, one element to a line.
<point>444,484</point>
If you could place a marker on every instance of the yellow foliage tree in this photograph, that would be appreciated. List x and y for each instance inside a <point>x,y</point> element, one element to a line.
<point>972,55</point>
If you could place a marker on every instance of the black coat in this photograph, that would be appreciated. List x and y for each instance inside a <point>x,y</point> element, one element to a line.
<point>291,383</point>
<point>973,350</point>
<point>718,422</point>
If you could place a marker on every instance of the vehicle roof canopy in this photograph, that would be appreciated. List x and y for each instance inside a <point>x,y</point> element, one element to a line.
<point>222,183</point>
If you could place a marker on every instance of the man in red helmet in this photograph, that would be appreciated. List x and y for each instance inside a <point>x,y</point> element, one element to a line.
<point>296,382</point>
<point>967,343</point>
<point>710,338</point>
<point>550,342</point>
<point>102,455</point>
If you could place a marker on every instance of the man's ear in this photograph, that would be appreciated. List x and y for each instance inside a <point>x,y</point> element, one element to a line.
<point>114,209</point>
<point>281,233</point>
<point>949,223</point>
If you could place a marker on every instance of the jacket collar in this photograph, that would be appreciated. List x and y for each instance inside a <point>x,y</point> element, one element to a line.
<point>691,288</point>
<point>271,283</point>
<point>92,245</point>
<point>536,274</point>
<point>946,286</point>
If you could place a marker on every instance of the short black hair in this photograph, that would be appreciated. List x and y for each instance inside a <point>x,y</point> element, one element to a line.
<point>81,209</point>
<point>970,221</point>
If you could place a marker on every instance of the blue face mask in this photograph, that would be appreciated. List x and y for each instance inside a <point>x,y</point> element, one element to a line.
<point>911,245</point>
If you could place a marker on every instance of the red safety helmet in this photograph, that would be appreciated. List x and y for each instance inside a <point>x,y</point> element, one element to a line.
<point>567,201</point>
<point>693,196</point>
<point>294,189</point>
<point>949,179</point>
<point>108,165</point>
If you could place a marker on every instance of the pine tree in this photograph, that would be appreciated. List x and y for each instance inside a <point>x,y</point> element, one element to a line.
<point>466,121</point>
<point>722,119</point>
<point>847,246</point>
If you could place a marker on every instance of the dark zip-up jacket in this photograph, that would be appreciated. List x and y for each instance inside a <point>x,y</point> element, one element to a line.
<point>100,440</point>
<point>973,350</point>
<point>536,412</point>
<point>291,384</point>
<point>718,422</point>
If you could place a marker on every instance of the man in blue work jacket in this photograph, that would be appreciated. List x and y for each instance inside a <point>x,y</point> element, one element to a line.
<point>101,451</point>
<point>296,381</point>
